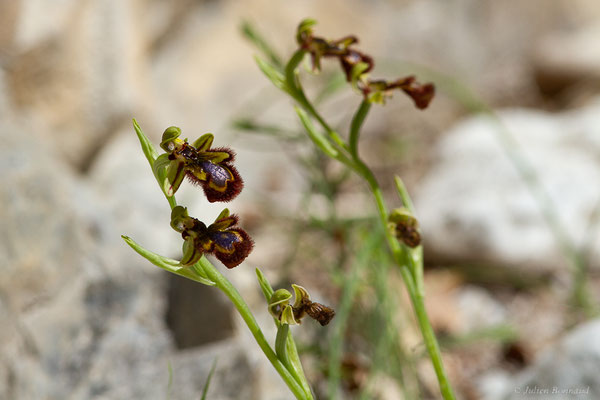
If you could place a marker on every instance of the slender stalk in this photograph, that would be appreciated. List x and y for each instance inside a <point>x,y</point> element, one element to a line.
<point>430,341</point>
<point>411,268</point>
<point>413,278</point>
<point>239,303</point>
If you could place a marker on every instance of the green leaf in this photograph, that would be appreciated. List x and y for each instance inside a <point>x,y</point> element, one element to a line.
<point>291,72</point>
<point>264,285</point>
<point>276,77</point>
<point>147,146</point>
<point>356,125</point>
<point>152,156</point>
<point>249,31</point>
<point>403,194</point>
<point>167,264</point>
<point>208,378</point>
<point>321,141</point>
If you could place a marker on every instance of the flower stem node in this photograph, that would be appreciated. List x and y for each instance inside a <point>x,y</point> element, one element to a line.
<point>280,307</point>
<point>230,244</point>
<point>209,167</point>
<point>405,227</point>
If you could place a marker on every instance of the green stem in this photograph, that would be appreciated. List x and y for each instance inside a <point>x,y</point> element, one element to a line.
<point>357,121</point>
<point>297,93</point>
<point>412,274</point>
<point>430,341</point>
<point>280,342</point>
<point>239,303</point>
<point>411,270</point>
<point>291,352</point>
<point>411,267</point>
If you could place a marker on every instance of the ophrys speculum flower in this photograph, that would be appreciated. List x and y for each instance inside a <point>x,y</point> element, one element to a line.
<point>230,244</point>
<point>209,167</point>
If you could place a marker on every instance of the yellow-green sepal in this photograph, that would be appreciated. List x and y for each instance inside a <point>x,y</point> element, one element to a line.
<point>175,174</point>
<point>204,142</point>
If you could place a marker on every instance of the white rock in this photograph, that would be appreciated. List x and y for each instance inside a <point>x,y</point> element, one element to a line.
<point>478,309</point>
<point>474,205</point>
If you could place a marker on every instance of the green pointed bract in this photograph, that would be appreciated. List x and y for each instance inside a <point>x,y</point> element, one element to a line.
<point>264,284</point>
<point>168,264</point>
<point>287,316</point>
<point>147,146</point>
<point>300,294</point>
<point>274,75</point>
<point>170,134</point>
<point>204,142</point>
<point>175,175</point>
<point>316,136</point>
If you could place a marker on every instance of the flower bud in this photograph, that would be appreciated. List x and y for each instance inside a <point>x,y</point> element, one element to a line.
<point>405,226</point>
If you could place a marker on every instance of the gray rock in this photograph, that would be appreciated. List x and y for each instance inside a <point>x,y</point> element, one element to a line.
<point>82,314</point>
<point>568,370</point>
<point>564,59</point>
<point>77,67</point>
<point>478,309</point>
<point>475,207</point>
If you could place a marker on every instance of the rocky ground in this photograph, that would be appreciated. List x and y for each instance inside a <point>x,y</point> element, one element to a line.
<point>84,317</point>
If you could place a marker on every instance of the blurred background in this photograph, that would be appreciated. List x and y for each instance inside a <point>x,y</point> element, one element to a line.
<point>503,168</point>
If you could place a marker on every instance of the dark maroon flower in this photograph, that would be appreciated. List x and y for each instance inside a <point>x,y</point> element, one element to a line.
<point>356,66</point>
<point>208,167</point>
<point>422,94</point>
<point>230,244</point>
<point>405,226</point>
